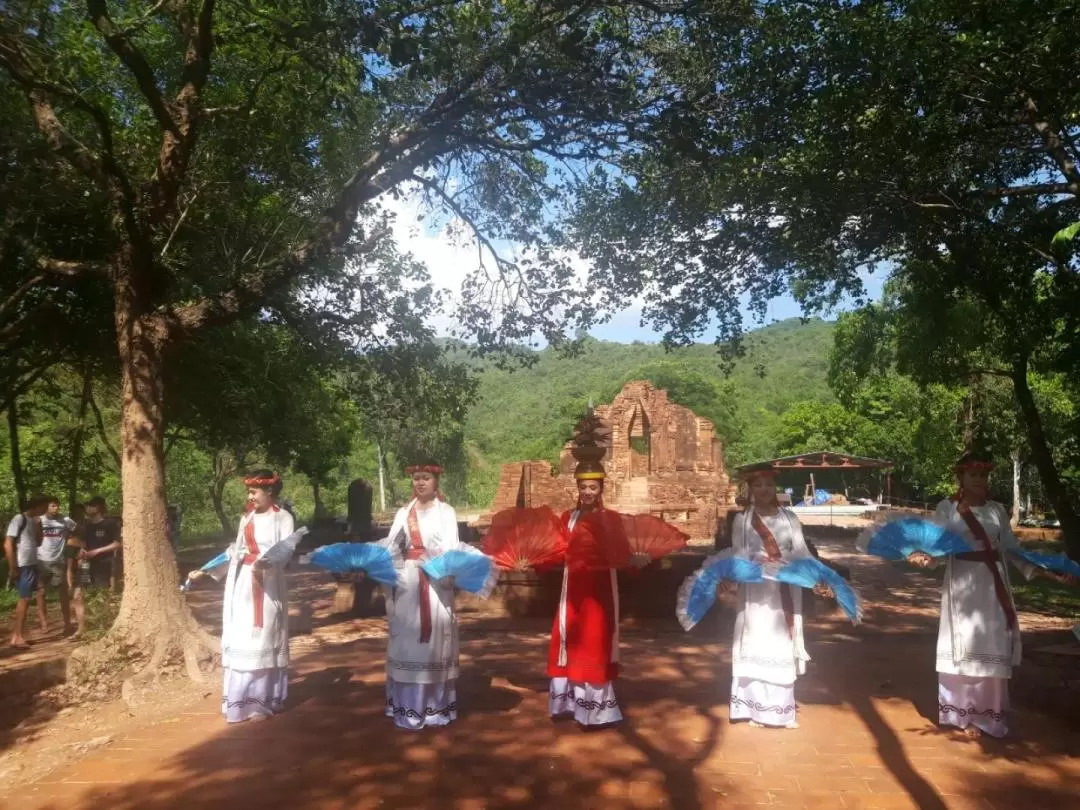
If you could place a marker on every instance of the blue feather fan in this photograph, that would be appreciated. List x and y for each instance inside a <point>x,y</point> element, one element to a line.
<point>472,572</point>
<point>899,539</point>
<point>698,592</point>
<point>808,572</point>
<point>1057,563</point>
<point>218,561</point>
<point>345,558</point>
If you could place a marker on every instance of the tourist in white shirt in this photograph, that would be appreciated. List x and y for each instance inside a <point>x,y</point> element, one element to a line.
<point>52,563</point>
<point>20,546</point>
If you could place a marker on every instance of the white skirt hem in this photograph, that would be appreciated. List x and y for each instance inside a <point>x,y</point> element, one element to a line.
<point>589,705</point>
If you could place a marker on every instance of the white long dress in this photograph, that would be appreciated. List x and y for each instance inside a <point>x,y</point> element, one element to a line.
<point>767,657</point>
<point>976,650</point>
<point>255,634</point>
<point>421,675</point>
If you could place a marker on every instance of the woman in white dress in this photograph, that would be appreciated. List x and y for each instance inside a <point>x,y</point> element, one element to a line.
<point>978,634</point>
<point>768,652</point>
<point>422,656</point>
<point>254,630</point>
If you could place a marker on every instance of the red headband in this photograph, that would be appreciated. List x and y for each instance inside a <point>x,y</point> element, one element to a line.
<point>434,469</point>
<point>262,482</point>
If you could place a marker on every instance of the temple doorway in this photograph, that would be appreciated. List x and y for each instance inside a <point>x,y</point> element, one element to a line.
<point>640,445</point>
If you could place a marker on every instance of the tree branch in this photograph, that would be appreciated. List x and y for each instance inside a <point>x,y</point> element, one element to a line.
<point>14,391</point>
<point>253,93</point>
<point>1035,189</point>
<point>1053,145</point>
<point>453,205</point>
<point>395,161</point>
<point>62,142</point>
<point>133,59</point>
<point>19,65</point>
<point>178,143</point>
<point>100,421</point>
<point>171,440</point>
<point>47,268</point>
<point>332,231</point>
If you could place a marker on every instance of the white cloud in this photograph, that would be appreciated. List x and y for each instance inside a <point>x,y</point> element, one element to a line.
<point>449,250</point>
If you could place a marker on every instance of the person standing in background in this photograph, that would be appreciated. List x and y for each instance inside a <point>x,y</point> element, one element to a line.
<point>20,546</point>
<point>52,564</point>
<point>74,544</point>
<point>100,536</point>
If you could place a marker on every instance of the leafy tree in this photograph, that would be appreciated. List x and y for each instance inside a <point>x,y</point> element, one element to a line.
<point>816,140</point>
<point>943,384</point>
<point>254,394</point>
<point>236,152</point>
<point>412,401</point>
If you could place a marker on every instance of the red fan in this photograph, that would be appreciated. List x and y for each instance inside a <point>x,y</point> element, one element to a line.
<point>650,538</point>
<point>598,542</point>
<point>520,539</point>
<point>608,539</point>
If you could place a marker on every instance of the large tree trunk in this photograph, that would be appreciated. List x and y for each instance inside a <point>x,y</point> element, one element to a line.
<point>316,493</point>
<point>16,458</point>
<point>77,439</point>
<point>1055,489</point>
<point>154,624</point>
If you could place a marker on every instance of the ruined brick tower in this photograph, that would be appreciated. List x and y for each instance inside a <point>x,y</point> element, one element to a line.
<point>663,460</point>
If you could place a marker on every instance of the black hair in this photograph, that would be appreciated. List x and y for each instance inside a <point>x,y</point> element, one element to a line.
<point>37,501</point>
<point>974,458</point>
<point>97,502</point>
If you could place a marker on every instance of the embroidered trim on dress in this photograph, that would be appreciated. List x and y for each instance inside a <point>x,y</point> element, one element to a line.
<point>412,714</point>
<point>982,658</point>
<point>274,704</point>
<point>588,705</point>
<point>753,705</point>
<point>971,711</point>
<point>420,666</point>
<point>594,705</point>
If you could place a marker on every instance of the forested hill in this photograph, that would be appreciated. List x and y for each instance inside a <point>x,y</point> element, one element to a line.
<point>527,413</point>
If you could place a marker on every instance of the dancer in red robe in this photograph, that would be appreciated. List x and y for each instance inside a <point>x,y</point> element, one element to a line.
<point>583,659</point>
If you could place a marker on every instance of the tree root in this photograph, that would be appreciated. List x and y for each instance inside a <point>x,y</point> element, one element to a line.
<point>135,665</point>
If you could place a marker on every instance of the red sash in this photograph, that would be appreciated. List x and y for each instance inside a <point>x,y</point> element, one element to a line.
<point>415,552</point>
<point>257,594</point>
<point>989,556</point>
<point>772,550</point>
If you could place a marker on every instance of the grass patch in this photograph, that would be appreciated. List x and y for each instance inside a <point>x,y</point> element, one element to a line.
<point>102,605</point>
<point>1048,598</point>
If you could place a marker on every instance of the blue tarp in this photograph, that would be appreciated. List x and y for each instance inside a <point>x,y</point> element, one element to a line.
<point>821,497</point>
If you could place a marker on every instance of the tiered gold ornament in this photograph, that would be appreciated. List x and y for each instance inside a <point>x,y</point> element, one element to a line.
<point>591,440</point>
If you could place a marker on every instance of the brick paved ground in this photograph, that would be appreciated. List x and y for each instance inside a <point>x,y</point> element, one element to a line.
<point>866,739</point>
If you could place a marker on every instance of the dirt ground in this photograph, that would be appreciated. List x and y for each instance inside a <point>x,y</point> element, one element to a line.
<point>868,737</point>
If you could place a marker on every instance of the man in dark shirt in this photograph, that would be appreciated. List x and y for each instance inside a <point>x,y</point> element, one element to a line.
<point>100,538</point>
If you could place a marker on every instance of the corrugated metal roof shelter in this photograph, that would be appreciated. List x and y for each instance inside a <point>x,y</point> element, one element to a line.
<point>823,461</point>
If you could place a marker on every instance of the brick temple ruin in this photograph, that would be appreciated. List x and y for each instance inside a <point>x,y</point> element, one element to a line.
<point>663,460</point>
